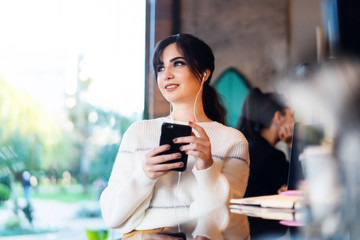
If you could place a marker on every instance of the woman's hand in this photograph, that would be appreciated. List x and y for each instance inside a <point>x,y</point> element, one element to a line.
<point>282,189</point>
<point>154,166</point>
<point>198,147</point>
<point>286,132</point>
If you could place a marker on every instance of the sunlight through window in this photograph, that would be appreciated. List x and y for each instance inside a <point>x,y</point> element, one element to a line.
<point>72,78</point>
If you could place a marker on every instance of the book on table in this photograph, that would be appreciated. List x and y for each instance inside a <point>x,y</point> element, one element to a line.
<point>287,201</point>
<point>278,207</point>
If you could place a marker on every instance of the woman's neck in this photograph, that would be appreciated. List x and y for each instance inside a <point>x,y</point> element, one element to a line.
<point>270,134</point>
<point>185,113</point>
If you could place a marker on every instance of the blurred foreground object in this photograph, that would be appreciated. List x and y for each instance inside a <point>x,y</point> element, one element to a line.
<point>330,94</point>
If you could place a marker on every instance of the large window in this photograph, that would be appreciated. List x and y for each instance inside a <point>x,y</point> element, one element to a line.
<point>71,82</point>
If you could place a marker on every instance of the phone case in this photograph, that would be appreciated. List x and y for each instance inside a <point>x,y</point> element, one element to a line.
<point>169,131</point>
<point>177,235</point>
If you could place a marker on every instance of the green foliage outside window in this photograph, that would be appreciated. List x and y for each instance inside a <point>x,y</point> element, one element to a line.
<point>4,192</point>
<point>41,145</point>
<point>27,129</point>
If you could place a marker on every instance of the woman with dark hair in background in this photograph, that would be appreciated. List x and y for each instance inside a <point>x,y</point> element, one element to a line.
<point>218,158</point>
<point>265,120</point>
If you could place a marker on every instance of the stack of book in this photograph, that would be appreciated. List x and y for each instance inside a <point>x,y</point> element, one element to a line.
<point>284,206</point>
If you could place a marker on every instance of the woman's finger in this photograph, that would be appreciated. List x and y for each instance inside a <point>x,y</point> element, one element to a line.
<point>160,159</point>
<point>156,150</point>
<point>199,129</point>
<point>164,167</point>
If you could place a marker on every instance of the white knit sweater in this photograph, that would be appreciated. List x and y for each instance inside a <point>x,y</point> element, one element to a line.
<point>127,201</point>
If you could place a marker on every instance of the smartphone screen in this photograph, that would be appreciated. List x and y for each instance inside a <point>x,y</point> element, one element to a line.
<point>169,131</point>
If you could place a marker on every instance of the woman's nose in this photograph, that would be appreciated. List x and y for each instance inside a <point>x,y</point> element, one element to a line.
<point>168,74</point>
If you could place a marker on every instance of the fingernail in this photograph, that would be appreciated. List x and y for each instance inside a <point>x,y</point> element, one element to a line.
<point>175,140</point>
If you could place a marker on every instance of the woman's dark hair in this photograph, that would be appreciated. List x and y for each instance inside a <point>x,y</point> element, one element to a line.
<point>199,58</point>
<point>258,111</point>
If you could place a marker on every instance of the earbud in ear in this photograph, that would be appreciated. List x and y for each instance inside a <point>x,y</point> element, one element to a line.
<point>204,75</point>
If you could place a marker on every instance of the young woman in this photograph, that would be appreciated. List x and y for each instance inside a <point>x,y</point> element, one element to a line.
<point>265,120</point>
<point>218,159</point>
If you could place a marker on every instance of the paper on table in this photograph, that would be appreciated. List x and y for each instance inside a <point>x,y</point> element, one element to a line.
<point>266,213</point>
<point>272,201</point>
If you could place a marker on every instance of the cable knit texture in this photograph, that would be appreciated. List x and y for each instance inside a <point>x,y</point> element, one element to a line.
<point>130,196</point>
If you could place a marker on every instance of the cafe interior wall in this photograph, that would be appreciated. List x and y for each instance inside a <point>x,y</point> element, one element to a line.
<point>262,39</point>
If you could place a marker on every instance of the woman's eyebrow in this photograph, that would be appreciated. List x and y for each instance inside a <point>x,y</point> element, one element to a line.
<point>176,58</point>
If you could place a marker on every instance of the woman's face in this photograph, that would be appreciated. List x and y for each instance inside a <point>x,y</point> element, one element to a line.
<point>175,80</point>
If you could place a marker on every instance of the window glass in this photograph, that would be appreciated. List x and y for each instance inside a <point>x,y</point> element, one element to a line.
<point>71,82</point>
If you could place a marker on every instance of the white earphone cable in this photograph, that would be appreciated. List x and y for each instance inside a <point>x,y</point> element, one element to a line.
<point>196,98</point>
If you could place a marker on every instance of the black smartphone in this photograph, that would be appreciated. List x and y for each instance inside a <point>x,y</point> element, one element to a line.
<point>177,235</point>
<point>169,131</point>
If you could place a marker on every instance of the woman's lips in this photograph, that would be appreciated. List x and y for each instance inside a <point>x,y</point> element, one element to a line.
<point>171,86</point>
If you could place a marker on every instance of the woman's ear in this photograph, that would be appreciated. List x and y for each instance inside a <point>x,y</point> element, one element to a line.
<point>205,75</point>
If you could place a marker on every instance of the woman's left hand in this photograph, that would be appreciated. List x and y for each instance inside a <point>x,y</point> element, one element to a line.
<point>198,147</point>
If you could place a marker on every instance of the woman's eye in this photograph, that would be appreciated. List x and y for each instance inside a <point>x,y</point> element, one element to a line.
<point>160,68</point>
<point>179,63</point>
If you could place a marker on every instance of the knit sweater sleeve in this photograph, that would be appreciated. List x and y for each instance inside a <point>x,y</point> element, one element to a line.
<point>236,168</point>
<point>122,204</point>
<point>228,176</point>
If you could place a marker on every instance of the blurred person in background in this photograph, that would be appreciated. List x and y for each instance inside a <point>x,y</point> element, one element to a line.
<point>25,182</point>
<point>265,120</point>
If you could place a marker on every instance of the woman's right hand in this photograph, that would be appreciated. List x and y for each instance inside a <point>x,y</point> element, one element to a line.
<point>154,166</point>
<point>285,133</point>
